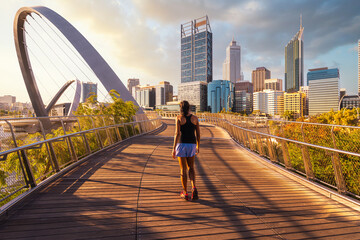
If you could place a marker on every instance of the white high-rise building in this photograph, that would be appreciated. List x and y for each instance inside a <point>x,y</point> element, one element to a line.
<point>324,90</point>
<point>260,102</point>
<point>269,101</point>
<point>275,100</point>
<point>232,63</point>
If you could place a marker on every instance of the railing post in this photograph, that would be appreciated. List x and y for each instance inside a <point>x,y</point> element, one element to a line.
<point>250,141</point>
<point>84,137</point>
<point>258,141</point>
<point>335,159</point>
<point>306,157</point>
<point>270,145</point>
<point>107,130</point>
<point>260,145</point>
<point>97,134</point>
<point>50,150</point>
<point>30,174</point>
<point>126,131</point>
<point>23,160</point>
<point>70,143</point>
<point>133,129</point>
<point>285,149</point>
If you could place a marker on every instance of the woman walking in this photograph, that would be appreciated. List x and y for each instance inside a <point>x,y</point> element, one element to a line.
<point>186,145</point>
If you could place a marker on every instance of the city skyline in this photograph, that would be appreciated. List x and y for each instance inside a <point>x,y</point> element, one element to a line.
<point>326,43</point>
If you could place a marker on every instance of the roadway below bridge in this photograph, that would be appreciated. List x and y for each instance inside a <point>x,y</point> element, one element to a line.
<point>131,191</point>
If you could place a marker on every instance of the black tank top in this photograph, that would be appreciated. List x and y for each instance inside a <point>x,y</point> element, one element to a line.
<point>187,131</point>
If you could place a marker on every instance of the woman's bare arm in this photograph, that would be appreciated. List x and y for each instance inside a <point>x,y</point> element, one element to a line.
<point>176,136</point>
<point>197,131</point>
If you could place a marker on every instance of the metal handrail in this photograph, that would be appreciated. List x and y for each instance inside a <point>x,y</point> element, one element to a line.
<point>164,113</point>
<point>295,141</point>
<point>26,179</point>
<point>256,141</point>
<point>31,145</point>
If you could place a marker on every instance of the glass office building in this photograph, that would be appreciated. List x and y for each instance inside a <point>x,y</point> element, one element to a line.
<point>220,95</point>
<point>195,93</point>
<point>88,89</point>
<point>196,51</point>
<point>294,63</point>
<point>324,91</point>
<point>243,97</point>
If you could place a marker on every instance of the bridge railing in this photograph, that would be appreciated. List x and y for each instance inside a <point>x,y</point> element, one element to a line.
<point>29,153</point>
<point>325,153</point>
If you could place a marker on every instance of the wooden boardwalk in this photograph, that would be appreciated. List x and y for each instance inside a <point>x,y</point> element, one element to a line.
<point>131,191</point>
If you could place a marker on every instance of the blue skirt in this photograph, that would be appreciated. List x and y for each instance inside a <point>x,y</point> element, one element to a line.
<point>185,149</point>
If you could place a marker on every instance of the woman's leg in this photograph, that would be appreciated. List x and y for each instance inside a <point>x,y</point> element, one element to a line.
<point>190,162</point>
<point>183,173</point>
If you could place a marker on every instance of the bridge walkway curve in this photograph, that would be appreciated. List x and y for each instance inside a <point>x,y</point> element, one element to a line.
<point>131,191</point>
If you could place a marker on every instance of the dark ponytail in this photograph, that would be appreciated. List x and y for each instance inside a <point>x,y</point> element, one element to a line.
<point>184,108</point>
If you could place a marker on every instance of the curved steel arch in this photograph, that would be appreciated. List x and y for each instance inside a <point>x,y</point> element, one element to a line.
<point>95,61</point>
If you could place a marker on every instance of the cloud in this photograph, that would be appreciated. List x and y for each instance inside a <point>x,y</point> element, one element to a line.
<point>265,27</point>
<point>142,38</point>
<point>144,35</point>
<point>137,44</point>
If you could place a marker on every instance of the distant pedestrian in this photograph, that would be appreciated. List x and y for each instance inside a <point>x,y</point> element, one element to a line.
<point>186,145</point>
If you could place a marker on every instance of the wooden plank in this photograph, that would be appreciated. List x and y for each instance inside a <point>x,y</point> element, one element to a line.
<point>131,191</point>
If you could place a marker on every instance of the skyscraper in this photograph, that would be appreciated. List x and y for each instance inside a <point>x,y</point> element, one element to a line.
<point>196,51</point>
<point>232,63</point>
<point>220,95</point>
<point>258,77</point>
<point>195,93</point>
<point>145,96</point>
<point>274,84</point>
<point>132,82</point>
<point>294,62</point>
<point>243,99</point>
<point>196,62</point>
<point>88,89</point>
<point>323,90</point>
<point>163,93</point>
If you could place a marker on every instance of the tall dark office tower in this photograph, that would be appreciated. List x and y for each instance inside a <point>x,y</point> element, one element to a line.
<point>294,62</point>
<point>196,51</point>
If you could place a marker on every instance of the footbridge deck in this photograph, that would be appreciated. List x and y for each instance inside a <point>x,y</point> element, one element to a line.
<point>131,191</point>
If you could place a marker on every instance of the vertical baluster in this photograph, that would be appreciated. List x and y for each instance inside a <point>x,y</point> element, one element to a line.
<point>306,157</point>
<point>335,158</point>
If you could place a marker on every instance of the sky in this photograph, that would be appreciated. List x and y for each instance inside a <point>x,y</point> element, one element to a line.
<point>141,38</point>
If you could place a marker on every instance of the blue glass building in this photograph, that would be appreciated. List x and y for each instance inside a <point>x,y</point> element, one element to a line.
<point>322,73</point>
<point>196,51</point>
<point>220,95</point>
<point>324,90</point>
<point>88,89</point>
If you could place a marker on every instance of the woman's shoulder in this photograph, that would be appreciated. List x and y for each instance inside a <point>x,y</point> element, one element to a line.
<point>194,119</point>
<point>194,116</point>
